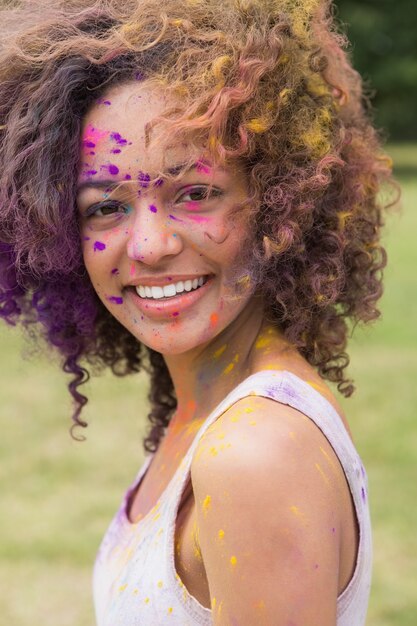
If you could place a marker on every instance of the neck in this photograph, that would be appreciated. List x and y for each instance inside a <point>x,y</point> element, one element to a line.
<point>204,376</point>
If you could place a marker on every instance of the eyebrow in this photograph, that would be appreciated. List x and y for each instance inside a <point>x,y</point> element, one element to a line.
<point>112,184</point>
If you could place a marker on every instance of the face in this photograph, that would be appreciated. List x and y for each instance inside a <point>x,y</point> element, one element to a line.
<point>163,255</point>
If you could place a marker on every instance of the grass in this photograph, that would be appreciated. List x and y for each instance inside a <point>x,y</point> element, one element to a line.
<point>58,495</point>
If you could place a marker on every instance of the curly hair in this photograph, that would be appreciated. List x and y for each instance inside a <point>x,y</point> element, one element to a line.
<point>264,81</point>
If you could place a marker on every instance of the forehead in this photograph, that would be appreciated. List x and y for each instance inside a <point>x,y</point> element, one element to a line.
<point>119,123</point>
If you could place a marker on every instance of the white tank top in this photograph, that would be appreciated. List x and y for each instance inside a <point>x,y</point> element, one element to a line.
<point>135,581</point>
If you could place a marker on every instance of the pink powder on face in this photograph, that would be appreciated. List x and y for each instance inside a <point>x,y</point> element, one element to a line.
<point>193,205</point>
<point>203,167</point>
<point>93,135</point>
<point>199,219</point>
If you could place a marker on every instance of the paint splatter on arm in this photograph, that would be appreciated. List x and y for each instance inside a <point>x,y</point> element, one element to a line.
<point>265,516</point>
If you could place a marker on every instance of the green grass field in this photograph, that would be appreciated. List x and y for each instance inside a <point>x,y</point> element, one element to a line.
<point>57,496</point>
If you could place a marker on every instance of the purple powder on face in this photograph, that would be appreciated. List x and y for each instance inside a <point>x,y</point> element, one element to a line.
<point>99,245</point>
<point>116,151</point>
<point>113,169</point>
<point>115,299</point>
<point>153,208</point>
<point>175,314</point>
<point>144,180</point>
<point>91,172</point>
<point>88,144</point>
<point>121,141</point>
<point>105,102</point>
<point>159,182</point>
<point>115,271</point>
<point>86,238</point>
<point>172,217</point>
<point>128,177</point>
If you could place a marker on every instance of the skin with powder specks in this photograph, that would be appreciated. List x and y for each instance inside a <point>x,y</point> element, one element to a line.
<point>142,229</point>
<point>192,189</point>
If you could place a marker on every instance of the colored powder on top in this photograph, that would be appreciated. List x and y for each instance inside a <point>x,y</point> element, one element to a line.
<point>153,208</point>
<point>99,245</point>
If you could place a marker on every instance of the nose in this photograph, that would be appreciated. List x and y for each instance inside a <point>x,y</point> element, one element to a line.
<point>151,236</point>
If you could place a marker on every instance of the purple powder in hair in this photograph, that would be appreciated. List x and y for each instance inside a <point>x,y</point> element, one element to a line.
<point>113,169</point>
<point>139,76</point>
<point>153,208</point>
<point>115,299</point>
<point>99,245</point>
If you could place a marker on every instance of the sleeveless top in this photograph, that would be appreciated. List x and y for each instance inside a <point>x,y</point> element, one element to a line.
<point>135,582</point>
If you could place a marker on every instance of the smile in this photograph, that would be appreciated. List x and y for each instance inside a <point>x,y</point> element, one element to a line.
<point>157,292</point>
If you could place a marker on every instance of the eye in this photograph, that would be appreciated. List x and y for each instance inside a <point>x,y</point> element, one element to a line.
<point>103,209</point>
<point>198,194</point>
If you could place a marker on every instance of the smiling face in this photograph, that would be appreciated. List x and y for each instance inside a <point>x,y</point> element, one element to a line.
<point>163,255</point>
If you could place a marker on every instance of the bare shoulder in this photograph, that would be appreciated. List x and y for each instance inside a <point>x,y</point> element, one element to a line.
<point>269,492</point>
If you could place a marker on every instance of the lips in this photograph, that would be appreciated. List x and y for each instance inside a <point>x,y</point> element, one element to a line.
<point>168,307</point>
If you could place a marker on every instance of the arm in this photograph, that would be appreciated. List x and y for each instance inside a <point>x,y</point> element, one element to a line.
<point>268,518</point>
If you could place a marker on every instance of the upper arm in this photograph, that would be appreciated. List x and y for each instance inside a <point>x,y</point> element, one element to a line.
<point>267,517</point>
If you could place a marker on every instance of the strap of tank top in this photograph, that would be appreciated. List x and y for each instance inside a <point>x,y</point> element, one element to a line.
<point>287,388</point>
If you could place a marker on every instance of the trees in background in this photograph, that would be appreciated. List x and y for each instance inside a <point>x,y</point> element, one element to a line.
<point>383,34</point>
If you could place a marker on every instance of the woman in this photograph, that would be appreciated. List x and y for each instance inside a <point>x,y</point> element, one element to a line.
<point>190,187</point>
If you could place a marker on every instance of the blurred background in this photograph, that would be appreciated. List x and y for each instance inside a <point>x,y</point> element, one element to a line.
<point>58,496</point>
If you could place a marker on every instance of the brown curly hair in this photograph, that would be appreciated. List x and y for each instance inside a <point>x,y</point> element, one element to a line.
<point>264,81</point>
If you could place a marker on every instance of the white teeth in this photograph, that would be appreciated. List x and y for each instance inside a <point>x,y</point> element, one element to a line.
<point>171,290</point>
<point>157,292</point>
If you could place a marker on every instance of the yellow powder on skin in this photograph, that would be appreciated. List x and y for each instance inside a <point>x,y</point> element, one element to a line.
<point>318,468</point>
<point>296,511</point>
<point>213,603</point>
<point>206,504</point>
<point>122,588</point>
<point>213,451</point>
<point>253,423</point>
<point>160,583</point>
<point>146,600</point>
<point>170,609</point>
<point>221,534</point>
<point>219,352</point>
<point>233,560</point>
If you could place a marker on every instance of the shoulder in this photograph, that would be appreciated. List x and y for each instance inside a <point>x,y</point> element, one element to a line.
<point>267,488</point>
